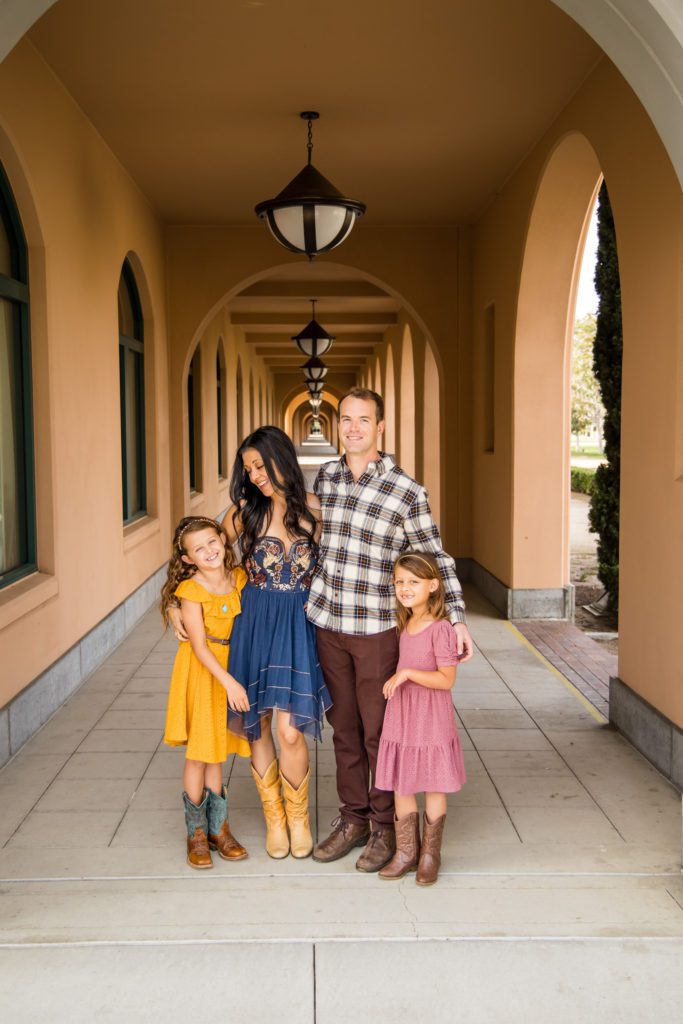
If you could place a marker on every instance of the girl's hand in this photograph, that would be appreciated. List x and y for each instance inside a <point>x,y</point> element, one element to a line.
<point>237,696</point>
<point>175,617</point>
<point>392,685</point>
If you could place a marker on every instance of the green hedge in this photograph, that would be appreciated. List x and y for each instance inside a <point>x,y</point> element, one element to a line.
<point>583,480</point>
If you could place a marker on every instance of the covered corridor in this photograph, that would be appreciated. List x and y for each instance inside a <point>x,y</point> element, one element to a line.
<point>146,324</point>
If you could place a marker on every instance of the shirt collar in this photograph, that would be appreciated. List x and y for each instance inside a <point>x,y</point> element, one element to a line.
<point>378,467</point>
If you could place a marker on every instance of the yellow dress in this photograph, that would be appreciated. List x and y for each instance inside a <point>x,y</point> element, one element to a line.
<point>197,712</point>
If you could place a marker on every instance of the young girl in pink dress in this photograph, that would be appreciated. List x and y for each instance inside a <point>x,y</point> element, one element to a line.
<point>419,751</point>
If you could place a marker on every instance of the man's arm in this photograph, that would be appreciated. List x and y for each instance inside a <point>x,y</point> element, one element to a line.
<point>422,534</point>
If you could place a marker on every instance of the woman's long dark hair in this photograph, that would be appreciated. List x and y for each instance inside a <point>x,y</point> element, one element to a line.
<point>255,509</point>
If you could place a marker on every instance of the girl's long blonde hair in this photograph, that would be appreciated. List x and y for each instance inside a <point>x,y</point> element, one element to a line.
<point>424,566</point>
<point>179,570</point>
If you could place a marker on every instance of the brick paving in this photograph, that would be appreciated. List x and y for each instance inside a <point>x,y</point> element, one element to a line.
<point>579,658</point>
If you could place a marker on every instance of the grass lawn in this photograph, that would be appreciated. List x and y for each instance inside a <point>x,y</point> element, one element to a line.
<point>591,452</point>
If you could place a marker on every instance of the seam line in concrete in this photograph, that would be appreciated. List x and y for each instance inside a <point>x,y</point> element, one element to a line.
<point>340,874</point>
<point>367,940</point>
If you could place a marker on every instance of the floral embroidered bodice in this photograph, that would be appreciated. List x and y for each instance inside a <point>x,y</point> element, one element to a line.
<point>271,567</point>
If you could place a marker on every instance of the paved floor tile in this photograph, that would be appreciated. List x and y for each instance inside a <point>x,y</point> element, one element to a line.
<point>120,740</point>
<point>230,978</point>
<point>56,829</point>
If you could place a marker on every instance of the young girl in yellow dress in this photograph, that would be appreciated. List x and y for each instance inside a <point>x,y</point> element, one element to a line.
<point>201,574</point>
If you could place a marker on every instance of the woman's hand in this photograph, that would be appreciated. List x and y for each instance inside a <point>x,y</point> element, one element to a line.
<point>237,696</point>
<point>175,617</point>
<point>392,685</point>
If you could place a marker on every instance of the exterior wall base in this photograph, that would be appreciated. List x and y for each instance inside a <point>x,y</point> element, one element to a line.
<point>650,732</point>
<point>541,603</point>
<point>32,708</point>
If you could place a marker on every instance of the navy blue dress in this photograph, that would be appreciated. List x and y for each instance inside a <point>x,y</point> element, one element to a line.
<point>273,651</point>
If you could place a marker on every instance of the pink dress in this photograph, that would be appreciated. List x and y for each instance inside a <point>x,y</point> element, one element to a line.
<point>419,750</point>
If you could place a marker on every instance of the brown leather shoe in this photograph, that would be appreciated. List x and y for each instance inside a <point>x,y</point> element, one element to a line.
<point>227,846</point>
<point>430,853</point>
<point>407,847</point>
<point>198,855</point>
<point>343,837</point>
<point>380,848</point>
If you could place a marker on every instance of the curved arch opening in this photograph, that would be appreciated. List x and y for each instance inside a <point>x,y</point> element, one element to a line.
<point>544,328</point>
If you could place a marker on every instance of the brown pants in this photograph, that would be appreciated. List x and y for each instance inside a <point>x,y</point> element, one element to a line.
<point>356,668</point>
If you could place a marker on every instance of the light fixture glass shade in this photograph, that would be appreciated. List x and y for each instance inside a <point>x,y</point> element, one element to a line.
<point>314,369</point>
<point>315,404</point>
<point>314,340</point>
<point>315,388</point>
<point>310,216</point>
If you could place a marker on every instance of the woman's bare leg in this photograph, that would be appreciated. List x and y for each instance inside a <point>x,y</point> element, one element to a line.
<point>293,750</point>
<point>263,749</point>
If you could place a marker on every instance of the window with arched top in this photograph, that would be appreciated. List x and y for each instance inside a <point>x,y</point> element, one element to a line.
<point>194,423</point>
<point>17,481</point>
<point>132,391</point>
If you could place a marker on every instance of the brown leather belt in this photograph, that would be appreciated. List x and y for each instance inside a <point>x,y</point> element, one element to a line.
<point>217,640</point>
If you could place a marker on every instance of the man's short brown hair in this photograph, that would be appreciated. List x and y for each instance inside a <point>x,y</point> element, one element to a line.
<point>366,395</point>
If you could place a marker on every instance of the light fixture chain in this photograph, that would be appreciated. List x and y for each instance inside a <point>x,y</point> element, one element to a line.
<point>309,144</point>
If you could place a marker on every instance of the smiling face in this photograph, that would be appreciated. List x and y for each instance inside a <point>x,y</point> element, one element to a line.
<point>359,430</point>
<point>412,591</point>
<point>204,548</point>
<point>255,468</point>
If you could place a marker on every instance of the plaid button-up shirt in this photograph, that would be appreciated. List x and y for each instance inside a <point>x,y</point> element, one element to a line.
<point>366,524</point>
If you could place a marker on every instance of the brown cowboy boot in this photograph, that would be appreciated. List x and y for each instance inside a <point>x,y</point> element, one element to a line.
<point>379,849</point>
<point>220,837</point>
<point>198,855</point>
<point>430,853</point>
<point>407,847</point>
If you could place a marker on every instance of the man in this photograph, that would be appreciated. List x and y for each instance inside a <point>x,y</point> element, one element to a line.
<point>371,512</point>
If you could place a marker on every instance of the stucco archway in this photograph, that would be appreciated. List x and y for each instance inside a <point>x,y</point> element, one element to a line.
<point>544,324</point>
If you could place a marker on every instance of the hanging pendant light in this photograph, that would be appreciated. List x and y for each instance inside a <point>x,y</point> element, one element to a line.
<point>314,369</point>
<point>315,404</point>
<point>310,216</point>
<point>314,340</point>
<point>315,388</point>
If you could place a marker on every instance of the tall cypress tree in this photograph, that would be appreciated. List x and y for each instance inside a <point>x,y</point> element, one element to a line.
<point>607,352</point>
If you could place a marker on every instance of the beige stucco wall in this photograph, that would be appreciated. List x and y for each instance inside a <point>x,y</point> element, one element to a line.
<point>82,215</point>
<point>512,493</point>
<point>211,496</point>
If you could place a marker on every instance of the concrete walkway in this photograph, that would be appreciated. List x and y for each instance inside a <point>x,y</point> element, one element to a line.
<point>561,895</point>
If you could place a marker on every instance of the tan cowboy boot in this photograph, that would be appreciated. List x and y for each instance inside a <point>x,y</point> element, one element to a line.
<point>268,787</point>
<point>430,853</point>
<point>198,855</point>
<point>220,837</point>
<point>296,809</point>
<point>407,847</point>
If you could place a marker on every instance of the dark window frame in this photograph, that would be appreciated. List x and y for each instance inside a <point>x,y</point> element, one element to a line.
<point>15,289</point>
<point>134,344</point>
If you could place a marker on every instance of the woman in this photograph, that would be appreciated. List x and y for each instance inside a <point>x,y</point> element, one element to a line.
<point>273,651</point>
